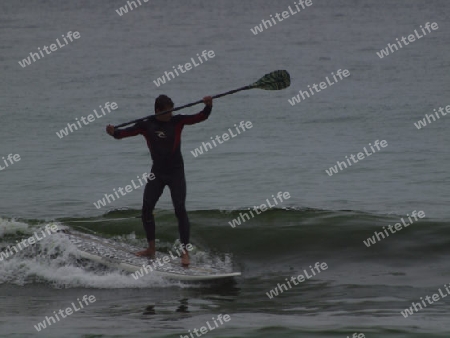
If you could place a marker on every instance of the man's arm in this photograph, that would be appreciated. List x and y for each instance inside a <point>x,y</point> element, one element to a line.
<point>199,117</point>
<point>137,129</point>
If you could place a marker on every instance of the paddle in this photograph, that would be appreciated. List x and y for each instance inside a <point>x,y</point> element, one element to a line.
<point>276,80</point>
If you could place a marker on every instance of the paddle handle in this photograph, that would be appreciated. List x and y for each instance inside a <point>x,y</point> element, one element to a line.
<point>185,106</point>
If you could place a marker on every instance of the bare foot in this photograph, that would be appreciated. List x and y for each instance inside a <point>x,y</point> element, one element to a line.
<point>185,260</point>
<point>146,253</point>
<point>149,252</point>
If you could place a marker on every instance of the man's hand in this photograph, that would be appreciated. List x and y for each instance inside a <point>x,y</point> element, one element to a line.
<point>207,100</point>
<point>110,129</point>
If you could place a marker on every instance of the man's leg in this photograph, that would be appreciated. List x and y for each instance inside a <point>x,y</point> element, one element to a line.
<point>153,190</point>
<point>177,187</point>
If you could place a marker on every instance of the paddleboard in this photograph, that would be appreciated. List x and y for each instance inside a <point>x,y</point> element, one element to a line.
<point>121,255</point>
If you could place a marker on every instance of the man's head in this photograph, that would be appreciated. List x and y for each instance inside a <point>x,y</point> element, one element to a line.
<point>163,103</point>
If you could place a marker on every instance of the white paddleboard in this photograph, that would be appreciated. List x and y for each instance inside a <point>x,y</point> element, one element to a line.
<point>121,255</point>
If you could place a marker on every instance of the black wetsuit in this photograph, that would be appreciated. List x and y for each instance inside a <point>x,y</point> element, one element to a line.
<point>164,141</point>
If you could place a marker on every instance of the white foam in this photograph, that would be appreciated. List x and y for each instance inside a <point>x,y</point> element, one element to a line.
<point>54,260</point>
<point>10,227</point>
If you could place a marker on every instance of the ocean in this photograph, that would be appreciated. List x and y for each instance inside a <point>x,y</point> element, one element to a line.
<point>362,158</point>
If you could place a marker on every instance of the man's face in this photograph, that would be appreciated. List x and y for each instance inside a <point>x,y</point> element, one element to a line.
<point>164,117</point>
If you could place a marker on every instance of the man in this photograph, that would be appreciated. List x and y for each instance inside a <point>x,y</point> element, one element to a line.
<point>163,136</point>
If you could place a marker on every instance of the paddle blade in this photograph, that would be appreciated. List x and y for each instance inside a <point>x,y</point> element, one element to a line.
<point>276,80</point>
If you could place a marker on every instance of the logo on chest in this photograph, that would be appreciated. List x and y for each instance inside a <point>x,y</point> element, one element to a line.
<point>160,134</point>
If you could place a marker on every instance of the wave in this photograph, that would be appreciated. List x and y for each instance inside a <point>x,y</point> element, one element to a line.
<point>277,235</point>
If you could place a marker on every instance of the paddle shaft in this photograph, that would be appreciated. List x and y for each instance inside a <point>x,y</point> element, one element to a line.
<point>185,106</point>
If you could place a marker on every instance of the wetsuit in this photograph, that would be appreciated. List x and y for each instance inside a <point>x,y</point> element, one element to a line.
<point>164,142</point>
